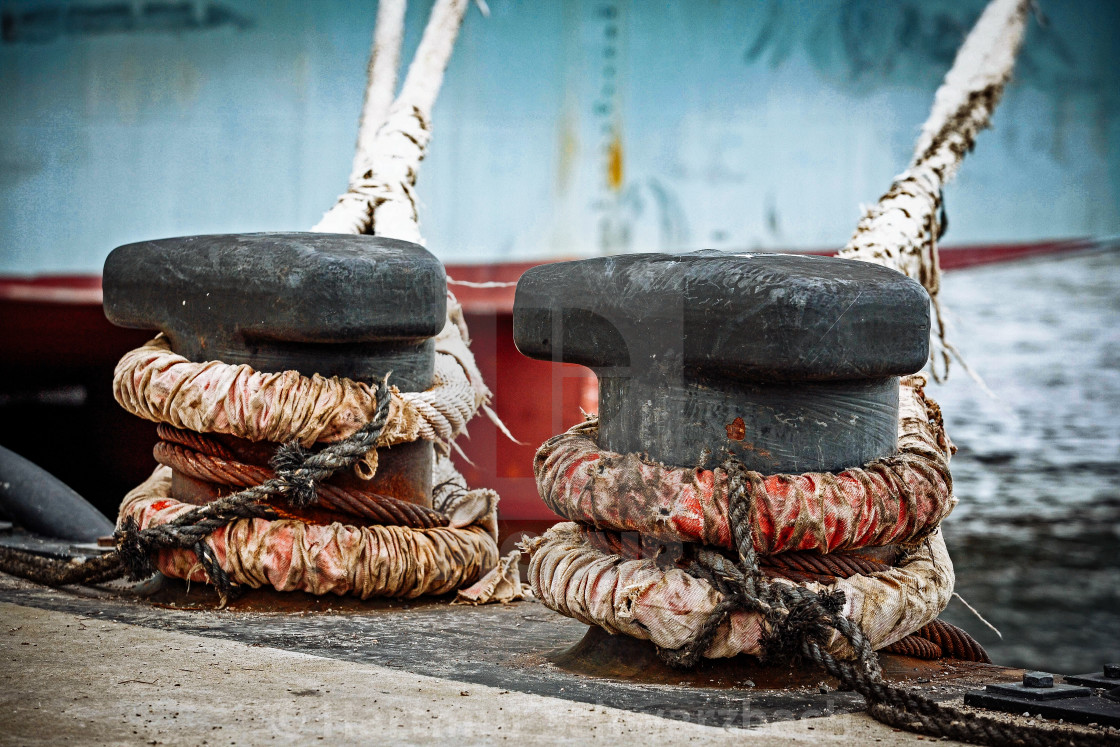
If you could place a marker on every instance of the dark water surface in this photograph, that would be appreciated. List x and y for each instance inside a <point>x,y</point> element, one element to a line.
<point>1036,536</point>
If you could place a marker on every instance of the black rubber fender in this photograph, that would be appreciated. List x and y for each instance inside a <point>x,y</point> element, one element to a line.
<point>41,503</point>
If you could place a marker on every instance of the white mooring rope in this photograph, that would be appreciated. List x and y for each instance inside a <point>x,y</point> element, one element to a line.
<point>901,231</point>
<point>381,198</point>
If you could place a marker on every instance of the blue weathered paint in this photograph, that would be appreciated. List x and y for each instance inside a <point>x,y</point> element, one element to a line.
<point>732,124</point>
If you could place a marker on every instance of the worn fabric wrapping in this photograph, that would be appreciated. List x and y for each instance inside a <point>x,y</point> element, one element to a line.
<point>896,500</point>
<point>503,584</point>
<point>156,384</point>
<point>668,606</point>
<point>373,561</point>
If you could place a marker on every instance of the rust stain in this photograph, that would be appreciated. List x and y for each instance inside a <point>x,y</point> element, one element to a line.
<point>614,163</point>
<point>600,654</point>
<point>761,452</point>
<point>737,431</point>
<point>568,150</point>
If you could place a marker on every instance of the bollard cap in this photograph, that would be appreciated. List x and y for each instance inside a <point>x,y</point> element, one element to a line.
<point>229,297</point>
<point>763,317</point>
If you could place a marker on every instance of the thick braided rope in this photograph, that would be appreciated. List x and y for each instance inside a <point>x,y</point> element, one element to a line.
<point>381,77</point>
<point>939,640</point>
<point>364,506</point>
<point>953,641</point>
<point>915,646</point>
<point>902,229</point>
<point>822,568</point>
<point>448,405</point>
<point>192,440</point>
<point>351,214</point>
<point>381,198</point>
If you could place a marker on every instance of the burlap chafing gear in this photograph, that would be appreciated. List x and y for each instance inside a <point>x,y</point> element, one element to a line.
<point>388,561</point>
<point>668,606</point>
<point>896,500</point>
<point>156,384</point>
<point>503,584</point>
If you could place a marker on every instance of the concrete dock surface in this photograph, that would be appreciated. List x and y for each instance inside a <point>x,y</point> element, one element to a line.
<point>78,667</point>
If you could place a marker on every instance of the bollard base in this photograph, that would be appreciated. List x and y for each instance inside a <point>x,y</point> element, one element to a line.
<point>620,657</point>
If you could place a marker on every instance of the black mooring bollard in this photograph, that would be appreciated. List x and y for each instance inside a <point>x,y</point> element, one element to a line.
<point>337,305</point>
<point>788,362</point>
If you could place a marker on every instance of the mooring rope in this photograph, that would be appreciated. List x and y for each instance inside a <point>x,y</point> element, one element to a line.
<point>950,641</point>
<point>820,568</point>
<point>903,228</point>
<point>299,474</point>
<point>364,506</point>
<point>800,623</point>
<point>916,647</point>
<point>381,75</point>
<point>381,199</point>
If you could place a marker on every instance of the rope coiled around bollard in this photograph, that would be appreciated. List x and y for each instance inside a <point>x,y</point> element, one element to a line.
<point>352,541</point>
<point>899,499</point>
<point>936,640</point>
<point>953,642</point>
<point>801,622</point>
<point>299,474</point>
<point>940,640</point>
<point>792,620</point>
<point>196,462</point>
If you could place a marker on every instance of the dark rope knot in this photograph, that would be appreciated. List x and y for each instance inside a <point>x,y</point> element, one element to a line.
<point>135,550</point>
<point>801,618</point>
<point>298,485</point>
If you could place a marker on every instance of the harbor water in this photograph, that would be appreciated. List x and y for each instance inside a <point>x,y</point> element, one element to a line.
<point>1035,538</point>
